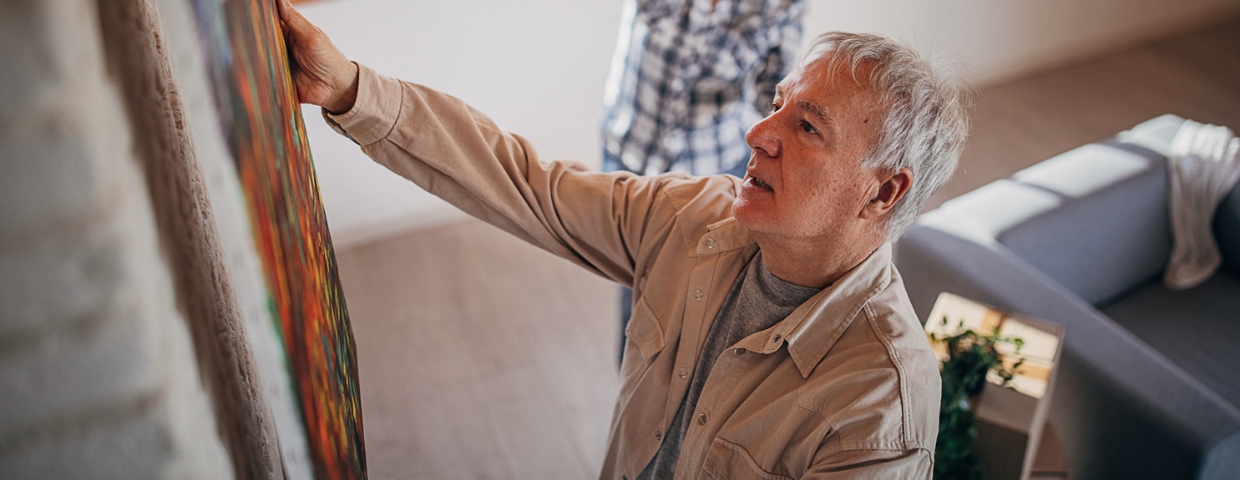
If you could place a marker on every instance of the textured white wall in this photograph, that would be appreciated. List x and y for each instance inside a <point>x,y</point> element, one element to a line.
<point>97,373</point>
<point>538,67</point>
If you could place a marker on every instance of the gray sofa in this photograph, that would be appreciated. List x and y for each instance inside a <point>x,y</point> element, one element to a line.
<point>1149,385</point>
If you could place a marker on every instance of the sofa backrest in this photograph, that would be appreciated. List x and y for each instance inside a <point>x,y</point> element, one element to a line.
<point>1227,231</point>
<point>1093,219</point>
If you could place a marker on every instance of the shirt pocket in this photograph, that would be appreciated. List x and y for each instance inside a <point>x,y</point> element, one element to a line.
<point>643,340</point>
<point>729,461</point>
<point>644,331</point>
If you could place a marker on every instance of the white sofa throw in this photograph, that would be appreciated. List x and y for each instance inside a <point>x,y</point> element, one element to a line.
<point>1204,165</point>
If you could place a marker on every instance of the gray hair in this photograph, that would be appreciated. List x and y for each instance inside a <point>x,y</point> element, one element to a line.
<point>926,123</point>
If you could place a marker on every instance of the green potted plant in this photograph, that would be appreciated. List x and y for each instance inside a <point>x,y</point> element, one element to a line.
<point>970,357</point>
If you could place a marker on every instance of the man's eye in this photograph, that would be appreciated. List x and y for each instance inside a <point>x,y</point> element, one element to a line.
<point>774,107</point>
<point>808,128</point>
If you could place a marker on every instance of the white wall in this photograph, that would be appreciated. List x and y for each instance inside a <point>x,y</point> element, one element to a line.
<point>538,67</point>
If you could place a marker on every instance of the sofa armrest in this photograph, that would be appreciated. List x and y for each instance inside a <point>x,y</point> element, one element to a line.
<point>1223,461</point>
<point>1123,410</point>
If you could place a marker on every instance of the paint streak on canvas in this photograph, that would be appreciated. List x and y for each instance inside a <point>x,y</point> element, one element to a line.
<point>254,92</point>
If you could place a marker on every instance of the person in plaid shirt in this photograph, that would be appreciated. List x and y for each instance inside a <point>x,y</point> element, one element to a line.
<point>688,79</point>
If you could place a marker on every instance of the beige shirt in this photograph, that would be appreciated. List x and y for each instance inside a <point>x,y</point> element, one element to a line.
<point>845,387</point>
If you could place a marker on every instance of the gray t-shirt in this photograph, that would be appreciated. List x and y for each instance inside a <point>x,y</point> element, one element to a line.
<point>757,301</point>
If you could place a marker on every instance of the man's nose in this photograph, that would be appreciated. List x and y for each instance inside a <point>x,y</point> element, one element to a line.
<point>761,137</point>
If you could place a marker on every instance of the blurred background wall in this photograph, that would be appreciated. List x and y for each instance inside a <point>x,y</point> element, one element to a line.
<point>538,68</point>
<point>98,372</point>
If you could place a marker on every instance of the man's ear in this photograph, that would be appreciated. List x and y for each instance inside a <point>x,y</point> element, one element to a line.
<point>893,187</point>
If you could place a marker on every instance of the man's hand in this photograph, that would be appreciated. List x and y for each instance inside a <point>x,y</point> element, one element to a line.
<point>322,75</point>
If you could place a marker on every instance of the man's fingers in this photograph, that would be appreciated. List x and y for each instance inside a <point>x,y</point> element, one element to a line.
<point>282,9</point>
<point>283,6</point>
<point>292,17</point>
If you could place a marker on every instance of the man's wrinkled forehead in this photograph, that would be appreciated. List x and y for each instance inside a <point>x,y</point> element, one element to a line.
<point>827,68</point>
<point>822,77</point>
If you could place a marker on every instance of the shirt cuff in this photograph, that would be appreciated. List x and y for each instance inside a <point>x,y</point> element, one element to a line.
<point>374,113</point>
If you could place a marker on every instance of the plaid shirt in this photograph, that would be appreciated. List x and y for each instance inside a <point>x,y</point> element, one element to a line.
<point>687,82</point>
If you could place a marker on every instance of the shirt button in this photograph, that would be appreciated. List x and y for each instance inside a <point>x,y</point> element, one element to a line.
<point>702,418</point>
<point>683,373</point>
<point>739,351</point>
<point>710,243</point>
<point>658,435</point>
<point>622,477</point>
<point>777,337</point>
<point>697,295</point>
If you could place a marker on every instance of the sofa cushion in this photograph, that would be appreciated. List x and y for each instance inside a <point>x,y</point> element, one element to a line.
<point>1155,134</point>
<point>1110,232</point>
<point>983,214</point>
<point>1197,329</point>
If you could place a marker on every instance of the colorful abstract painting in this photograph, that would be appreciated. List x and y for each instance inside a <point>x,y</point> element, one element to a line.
<point>262,118</point>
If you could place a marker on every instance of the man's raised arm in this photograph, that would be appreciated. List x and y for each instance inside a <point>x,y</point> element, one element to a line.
<point>459,154</point>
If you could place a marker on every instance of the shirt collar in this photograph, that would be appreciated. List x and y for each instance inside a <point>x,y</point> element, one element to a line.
<point>724,235</point>
<point>814,327</point>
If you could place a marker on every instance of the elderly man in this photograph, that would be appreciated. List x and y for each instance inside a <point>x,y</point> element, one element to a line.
<point>771,336</point>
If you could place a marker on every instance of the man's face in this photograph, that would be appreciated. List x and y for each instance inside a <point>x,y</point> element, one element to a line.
<point>805,179</point>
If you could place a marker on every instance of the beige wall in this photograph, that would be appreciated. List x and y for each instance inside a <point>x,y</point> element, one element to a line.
<point>1002,39</point>
<point>538,67</point>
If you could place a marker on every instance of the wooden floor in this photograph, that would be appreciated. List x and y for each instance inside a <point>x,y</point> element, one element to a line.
<point>480,357</point>
<point>484,358</point>
<point>1018,124</point>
